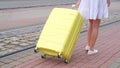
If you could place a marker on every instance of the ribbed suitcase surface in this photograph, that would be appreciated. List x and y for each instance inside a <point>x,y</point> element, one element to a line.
<point>60,33</point>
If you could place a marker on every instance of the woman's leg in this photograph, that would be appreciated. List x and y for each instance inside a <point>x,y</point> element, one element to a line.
<point>94,33</point>
<point>89,31</point>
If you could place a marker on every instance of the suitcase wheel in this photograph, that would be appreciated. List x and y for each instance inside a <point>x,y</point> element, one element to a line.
<point>59,56</point>
<point>43,56</point>
<point>66,61</point>
<point>35,50</point>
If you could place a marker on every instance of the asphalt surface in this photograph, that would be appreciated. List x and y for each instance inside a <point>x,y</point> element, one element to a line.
<point>13,4</point>
<point>12,18</point>
<point>10,4</point>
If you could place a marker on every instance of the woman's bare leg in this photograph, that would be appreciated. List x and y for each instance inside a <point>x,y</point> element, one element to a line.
<point>94,33</point>
<point>89,31</point>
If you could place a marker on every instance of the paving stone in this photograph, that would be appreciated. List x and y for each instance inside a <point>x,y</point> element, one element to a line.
<point>7,41</point>
<point>31,42</point>
<point>21,54</point>
<point>33,34</point>
<point>7,38</point>
<point>24,59</point>
<point>5,60</point>
<point>3,53</point>
<point>2,48</point>
<point>26,38</point>
<point>18,56</point>
<point>1,63</point>
<point>14,38</point>
<point>24,44</point>
<point>10,50</point>
<point>18,48</point>
<point>37,34</point>
<point>32,39</point>
<point>1,44</point>
<point>15,57</point>
<point>118,60</point>
<point>115,65</point>
<point>20,35</point>
<point>7,66</point>
<point>36,55</point>
<point>15,63</point>
<point>10,65</point>
<point>30,52</point>
<point>28,35</point>
<point>15,42</point>
<point>10,46</point>
<point>1,39</point>
<point>23,41</point>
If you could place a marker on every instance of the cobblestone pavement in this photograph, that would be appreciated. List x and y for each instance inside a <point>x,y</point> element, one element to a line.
<point>17,39</point>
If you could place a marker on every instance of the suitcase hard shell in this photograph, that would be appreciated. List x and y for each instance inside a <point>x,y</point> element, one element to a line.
<point>60,33</point>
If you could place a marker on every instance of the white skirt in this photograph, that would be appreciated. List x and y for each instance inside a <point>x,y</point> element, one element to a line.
<point>93,9</point>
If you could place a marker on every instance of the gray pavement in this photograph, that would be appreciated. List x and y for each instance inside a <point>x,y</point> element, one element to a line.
<point>12,4</point>
<point>116,64</point>
<point>8,4</point>
<point>13,18</point>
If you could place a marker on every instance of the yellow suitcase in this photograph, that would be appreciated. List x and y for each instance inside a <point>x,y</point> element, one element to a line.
<point>60,33</point>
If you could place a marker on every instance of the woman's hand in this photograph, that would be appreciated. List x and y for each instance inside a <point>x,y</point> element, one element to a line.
<point>77,4</point>
<point>108,2</point>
